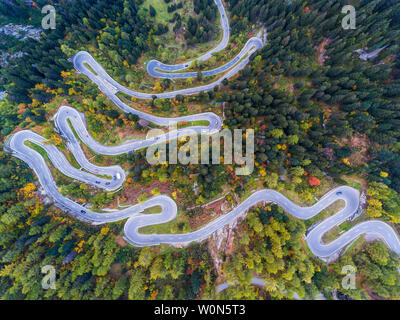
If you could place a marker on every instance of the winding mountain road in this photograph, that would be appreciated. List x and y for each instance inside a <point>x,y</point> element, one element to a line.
<point>251,45</point>
<point>155,64</point>
<point>110,87</point>
<point>136,219</point>
<point>16,144</point>
<point>66,115</point>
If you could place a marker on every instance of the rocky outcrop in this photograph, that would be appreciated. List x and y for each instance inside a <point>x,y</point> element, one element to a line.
<point>21,32</point>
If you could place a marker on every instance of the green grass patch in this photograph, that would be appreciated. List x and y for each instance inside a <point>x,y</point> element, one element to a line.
<point>73,130</point>
<point>193,124</point>
<point>162,15</point>
<point>125,98</point>
<point>153,210</point>
<point>329,211</point>
<point>103,176</point>
<point>91,151</point>
<point>90,68</point>
<point>355,185</point>
<point>73,161</point>
<point>39,149</point>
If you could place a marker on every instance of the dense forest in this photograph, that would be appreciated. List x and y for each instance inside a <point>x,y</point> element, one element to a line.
<point>18,11</point>
<point>85,22</point>
<point>362,96</point>
<point>321,114</point>
<point>203,27</point>
<point>314,110</point>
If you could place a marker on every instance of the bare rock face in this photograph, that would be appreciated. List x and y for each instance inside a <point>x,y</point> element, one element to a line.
<point>3,95</point>
<point>226,207</point>
<point>365,55</point>
<point>21,32</point>
<point>143,123</point>
<point>361,207</point>
<point>222,242</point>
<point>6,57</point>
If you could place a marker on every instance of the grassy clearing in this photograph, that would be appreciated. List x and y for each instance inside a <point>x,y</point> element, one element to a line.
<point>85,147</point>
<point>193,124</point>
<point>355,182</point>
<point>90,68</point>
<point>73,161</point>
<point>161,7</point>
<point>124,98</point>
<point>355,185</point>
<point>39,149</point>
<point>164,228</point>
<point>343,227</point>
<point>127,139</point>
<point>331,210</point>
<point>152,210</point>
<point>103,176</point>
<point>174,46</point>
<point>73,130</point>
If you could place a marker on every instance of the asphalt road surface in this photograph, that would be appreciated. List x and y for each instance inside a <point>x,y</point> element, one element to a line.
<point>155,64</point>
<point>65,114</point>
<point>166,70</point>
<point>135,218</point>
<point>109,86</point>
<point>314,238</point>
